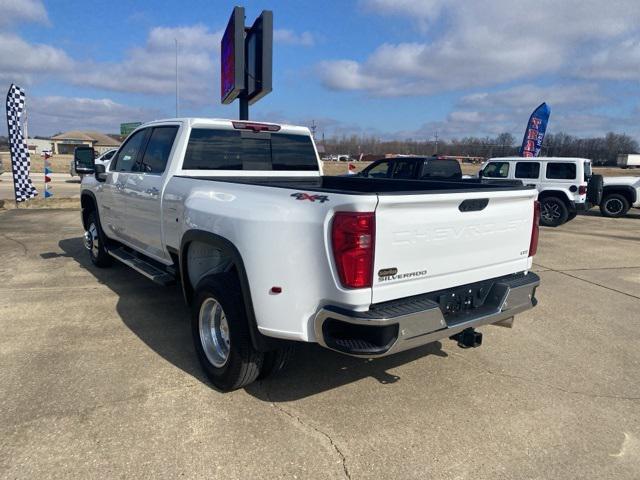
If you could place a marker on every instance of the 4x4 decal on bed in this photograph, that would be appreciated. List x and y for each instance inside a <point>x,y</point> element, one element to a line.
<point>311,198</point>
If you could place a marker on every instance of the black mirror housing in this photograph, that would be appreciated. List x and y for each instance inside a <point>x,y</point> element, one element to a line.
<point>100,172</point>
<point>84,160</point>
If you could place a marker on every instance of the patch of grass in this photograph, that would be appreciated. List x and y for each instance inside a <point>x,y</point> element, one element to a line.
<point>42,203</point>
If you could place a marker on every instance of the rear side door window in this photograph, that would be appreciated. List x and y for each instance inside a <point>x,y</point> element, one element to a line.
<point>561,171</point>
<point>158,149</point>
<point>496,170</point>
<point>443,169</point>
<point>131,152</point>
<point>405,169</point>
<point>528,170</point>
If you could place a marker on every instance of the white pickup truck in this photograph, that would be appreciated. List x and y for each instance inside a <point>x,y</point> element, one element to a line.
<point>269,252</point>
<point>619,195</point>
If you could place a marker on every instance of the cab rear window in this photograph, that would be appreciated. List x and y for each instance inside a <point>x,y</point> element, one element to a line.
<point>215,149</point>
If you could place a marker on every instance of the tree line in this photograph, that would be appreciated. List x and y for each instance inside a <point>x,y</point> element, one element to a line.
<point>601,150</point>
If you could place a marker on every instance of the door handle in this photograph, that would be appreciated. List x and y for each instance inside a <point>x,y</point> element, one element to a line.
<point>119,186</point>
<point>152,191</point>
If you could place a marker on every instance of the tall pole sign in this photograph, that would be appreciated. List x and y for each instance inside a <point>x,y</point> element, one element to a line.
<point>246,60</point>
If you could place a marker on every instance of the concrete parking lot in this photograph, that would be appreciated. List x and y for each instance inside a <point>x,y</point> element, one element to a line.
<point>98,378</point>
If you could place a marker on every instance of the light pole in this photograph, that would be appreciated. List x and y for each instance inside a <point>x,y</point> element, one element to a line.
<point>177,102</point>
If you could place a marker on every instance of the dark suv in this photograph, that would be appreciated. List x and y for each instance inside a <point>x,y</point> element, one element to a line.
<point>414,168</point>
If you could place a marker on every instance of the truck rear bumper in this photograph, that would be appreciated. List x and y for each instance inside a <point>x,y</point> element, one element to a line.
<point>392,327</point>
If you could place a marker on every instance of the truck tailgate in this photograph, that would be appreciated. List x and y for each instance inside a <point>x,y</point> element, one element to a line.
<point>429,242</point>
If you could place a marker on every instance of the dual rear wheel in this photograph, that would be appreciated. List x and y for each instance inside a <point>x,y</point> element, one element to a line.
<point>221,336</point>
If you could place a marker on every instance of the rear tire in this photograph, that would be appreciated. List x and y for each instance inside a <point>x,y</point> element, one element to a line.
<point>275,361</point>
<point>221,333</point>
<point>94,242</point>
<point>571,216</point>
<point>614,206</point>
<point>553,212</point>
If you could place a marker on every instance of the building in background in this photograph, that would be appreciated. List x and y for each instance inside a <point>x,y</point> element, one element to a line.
<point>38,145</point>
<point>65,143</point>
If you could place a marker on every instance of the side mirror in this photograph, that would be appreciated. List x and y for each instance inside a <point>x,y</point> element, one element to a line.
<point>100,172</point>
<point>84,160</point>
<point>480,173</point>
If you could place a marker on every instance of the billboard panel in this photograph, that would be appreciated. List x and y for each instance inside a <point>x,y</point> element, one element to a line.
<point>232,57</point>
<point>259,44</point>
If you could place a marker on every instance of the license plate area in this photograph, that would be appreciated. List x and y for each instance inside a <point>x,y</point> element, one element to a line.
<point>463,299</point>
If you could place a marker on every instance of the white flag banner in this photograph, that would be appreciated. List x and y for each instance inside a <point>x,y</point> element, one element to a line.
<point>20,161</point>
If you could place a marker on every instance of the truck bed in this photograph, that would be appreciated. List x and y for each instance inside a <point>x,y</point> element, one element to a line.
<point>352,185</point>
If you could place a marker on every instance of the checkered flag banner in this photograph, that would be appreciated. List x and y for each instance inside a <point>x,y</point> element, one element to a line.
<point>20,161</point>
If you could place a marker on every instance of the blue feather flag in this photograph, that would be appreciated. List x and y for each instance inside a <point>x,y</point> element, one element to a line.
<point>534,134</point>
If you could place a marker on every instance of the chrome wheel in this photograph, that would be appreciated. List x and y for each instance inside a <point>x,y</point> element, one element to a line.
<point>214,332</point>
<point>550,211</point>
<point>92,241</point>
<point>614,206</point>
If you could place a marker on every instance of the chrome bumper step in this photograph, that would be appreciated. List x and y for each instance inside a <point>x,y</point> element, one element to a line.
<point>407,323</point>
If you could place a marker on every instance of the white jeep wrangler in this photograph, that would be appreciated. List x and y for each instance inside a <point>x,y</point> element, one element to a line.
<point>565,185</point>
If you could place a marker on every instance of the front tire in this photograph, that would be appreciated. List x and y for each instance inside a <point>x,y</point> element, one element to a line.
<point>553,212</point>
<point>614,206</point>
<point>94,242</point>
<point>221,333</point>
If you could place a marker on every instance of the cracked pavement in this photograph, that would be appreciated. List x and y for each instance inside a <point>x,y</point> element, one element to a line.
<point>98,378</point>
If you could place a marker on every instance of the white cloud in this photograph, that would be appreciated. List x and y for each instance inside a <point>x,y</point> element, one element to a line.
<point>480,123</point>
<point>151,69</point>
<point>620,61</point>
<point>483,44</point>
<point>289,37</point>
<point>491,113</point>
<point>528,96</point>
<point>12,11</point>
<point>48,115</point>
<point>21,61</point>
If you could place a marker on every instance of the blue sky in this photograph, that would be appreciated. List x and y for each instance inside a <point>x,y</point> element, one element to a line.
<point>393,68</point>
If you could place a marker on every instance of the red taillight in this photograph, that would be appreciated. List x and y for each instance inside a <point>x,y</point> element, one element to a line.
<point>353,236</point>
<point>582,190</point>
<point>535,229</point>
<point>256,127</point>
